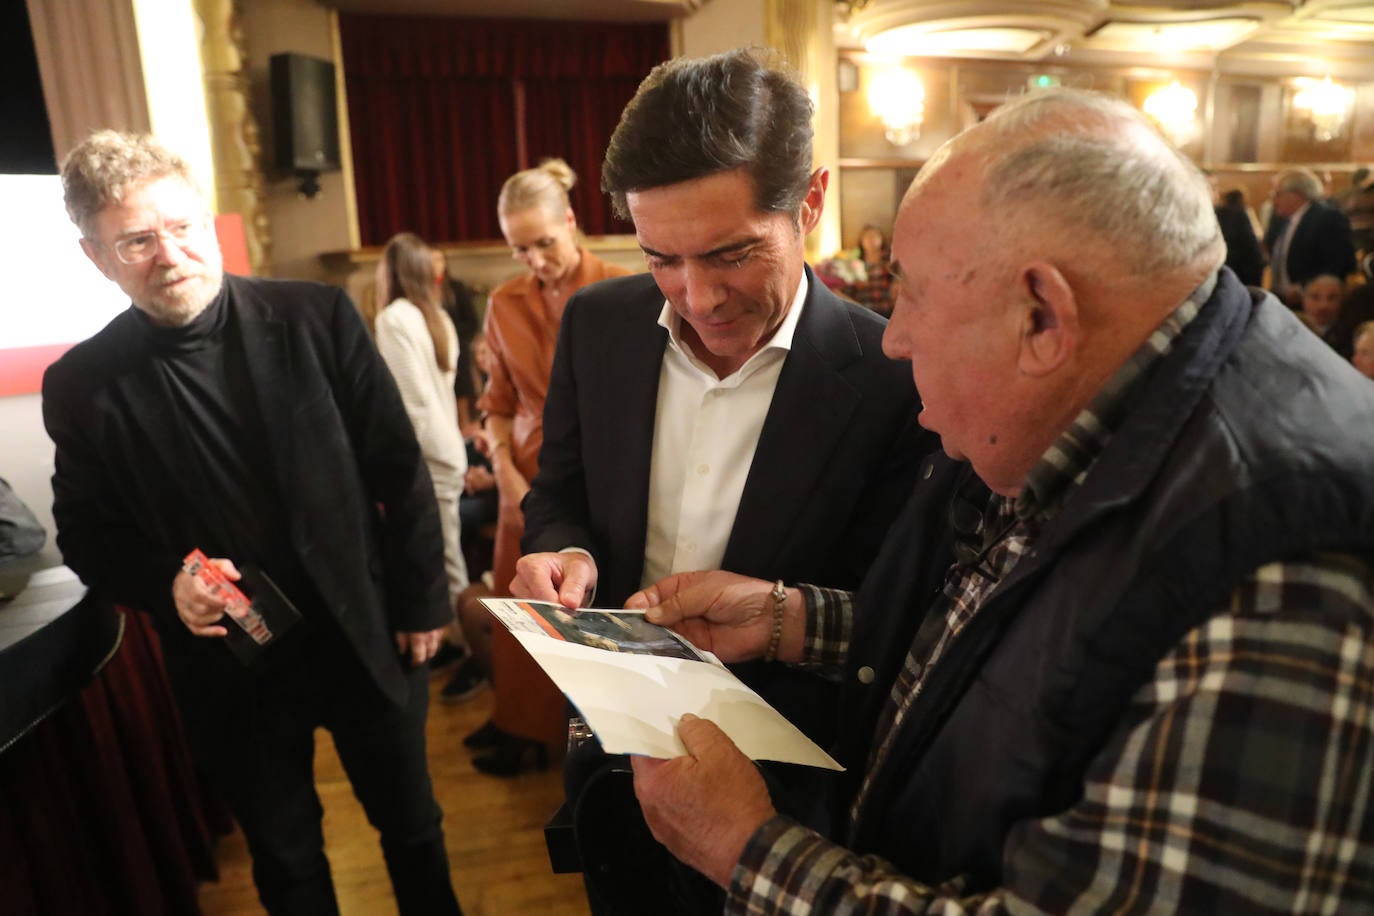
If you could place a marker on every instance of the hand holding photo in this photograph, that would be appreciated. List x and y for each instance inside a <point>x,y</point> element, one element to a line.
<point>633,680</point>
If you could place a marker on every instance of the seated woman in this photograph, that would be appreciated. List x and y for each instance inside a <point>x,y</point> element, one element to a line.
<point>874,288</point>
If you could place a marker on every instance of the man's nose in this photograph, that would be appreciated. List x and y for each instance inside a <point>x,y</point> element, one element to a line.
<point>703,290</point>
<point>168,250</point>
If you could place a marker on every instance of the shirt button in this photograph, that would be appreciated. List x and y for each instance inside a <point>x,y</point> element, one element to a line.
<point>865,675</point>
<point>930,469</point>
<point>703,469</point>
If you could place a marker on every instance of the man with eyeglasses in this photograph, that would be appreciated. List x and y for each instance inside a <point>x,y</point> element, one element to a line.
<point>1144,681</point>
<point>254,420</point>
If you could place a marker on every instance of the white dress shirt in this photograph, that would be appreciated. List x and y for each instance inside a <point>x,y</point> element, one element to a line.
<point>706,430</point>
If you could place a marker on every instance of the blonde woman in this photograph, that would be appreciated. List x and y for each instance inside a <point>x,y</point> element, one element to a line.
<point>521,331</point>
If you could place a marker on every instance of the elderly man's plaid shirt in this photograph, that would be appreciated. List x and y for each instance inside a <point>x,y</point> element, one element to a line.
<point>1167,802</point>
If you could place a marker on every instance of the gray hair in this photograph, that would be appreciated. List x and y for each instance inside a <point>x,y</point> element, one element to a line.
<point>1094,162</point>
<point>546,185</point>
<point>102,168</point>
<point>1303,182</point>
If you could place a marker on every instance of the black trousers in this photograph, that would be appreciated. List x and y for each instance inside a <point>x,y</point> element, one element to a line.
<point>625,871</point>
<point>259,749</point>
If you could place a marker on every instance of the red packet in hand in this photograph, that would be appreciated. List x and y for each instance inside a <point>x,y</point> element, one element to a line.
<point>262,619</point>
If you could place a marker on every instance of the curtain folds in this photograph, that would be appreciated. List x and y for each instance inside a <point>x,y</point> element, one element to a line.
<point>435,124</point>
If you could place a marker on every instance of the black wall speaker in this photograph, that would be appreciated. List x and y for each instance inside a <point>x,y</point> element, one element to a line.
<point>305,123</point>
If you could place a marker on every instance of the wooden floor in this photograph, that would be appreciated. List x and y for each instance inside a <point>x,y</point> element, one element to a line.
<point>494,830</point>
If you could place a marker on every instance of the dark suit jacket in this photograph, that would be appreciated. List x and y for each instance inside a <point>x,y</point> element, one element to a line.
<point>836,457</point>
<point>364,523</point>
<point>1243,254</point>
<point>1321,244</point>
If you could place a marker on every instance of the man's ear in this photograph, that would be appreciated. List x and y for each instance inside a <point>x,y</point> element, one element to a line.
<point>809,216</point>
<point>93,253</point>
<point>1050,331</point>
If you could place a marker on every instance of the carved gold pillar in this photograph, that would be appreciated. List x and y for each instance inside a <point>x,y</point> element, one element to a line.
<point>239,186</point>
<point>803,32</point>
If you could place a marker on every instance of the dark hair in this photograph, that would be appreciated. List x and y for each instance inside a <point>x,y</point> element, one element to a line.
<point>1234,198</point>
<point>696,117</point>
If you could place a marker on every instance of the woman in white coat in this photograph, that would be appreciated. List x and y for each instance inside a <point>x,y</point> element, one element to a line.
<point>418,342</point>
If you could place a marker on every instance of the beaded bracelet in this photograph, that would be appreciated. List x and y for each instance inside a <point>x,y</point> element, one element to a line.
<point>779,596</point>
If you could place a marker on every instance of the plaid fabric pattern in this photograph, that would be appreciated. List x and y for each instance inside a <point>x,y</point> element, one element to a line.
<point>1170,818</point>
<point>965,589</point>
<point>1177,815</point>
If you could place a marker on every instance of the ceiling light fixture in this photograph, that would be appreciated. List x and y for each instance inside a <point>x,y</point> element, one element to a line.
<point>1174,109</point>
<point>1326,104</point>
<point>898,98</point>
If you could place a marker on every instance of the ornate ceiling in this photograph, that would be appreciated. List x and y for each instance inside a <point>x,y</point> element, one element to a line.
<point>1262,36</point>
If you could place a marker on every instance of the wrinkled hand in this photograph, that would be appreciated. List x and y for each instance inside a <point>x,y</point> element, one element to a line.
<point>705,806</point>
<point>198,608</point>
<point>419,646</point>
<point>562,578</point>
<point>723,612</point>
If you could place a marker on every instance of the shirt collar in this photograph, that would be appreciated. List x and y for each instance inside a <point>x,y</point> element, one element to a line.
<point>1066,462</point>
<point>781,339</point>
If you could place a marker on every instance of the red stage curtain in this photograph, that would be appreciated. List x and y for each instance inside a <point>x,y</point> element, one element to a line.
<point>577,122</point>
<point>433,115</point>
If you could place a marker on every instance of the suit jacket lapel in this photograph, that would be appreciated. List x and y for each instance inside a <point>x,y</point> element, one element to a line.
<point>812,405</point>
<point>641,361</point>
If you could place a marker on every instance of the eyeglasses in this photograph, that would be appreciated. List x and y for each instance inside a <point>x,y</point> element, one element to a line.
<point>138,248</point>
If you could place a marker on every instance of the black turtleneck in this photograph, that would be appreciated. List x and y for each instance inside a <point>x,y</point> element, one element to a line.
<point>205,375</point>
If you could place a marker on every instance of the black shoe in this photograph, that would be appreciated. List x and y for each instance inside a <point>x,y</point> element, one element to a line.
<point>488,736</point>
<point>513,757</point>
<point>466,683</point>
<point>447,656</point>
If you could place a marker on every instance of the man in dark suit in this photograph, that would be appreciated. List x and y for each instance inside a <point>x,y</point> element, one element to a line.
<point>254,420</point>
<point>1306,238</point>
<point>724,411</point>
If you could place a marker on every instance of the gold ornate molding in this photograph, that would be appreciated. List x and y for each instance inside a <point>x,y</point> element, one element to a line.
<point>798,30</point>
<point>239,185</point>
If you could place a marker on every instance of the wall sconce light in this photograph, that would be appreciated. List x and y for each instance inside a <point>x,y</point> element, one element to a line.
<point>899,100</point>
<point>1174,109</point>
<point>1326,104</point>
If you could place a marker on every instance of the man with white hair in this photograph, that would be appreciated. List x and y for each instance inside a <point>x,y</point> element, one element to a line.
<point>1306,238</point>
<point>1116,652</point>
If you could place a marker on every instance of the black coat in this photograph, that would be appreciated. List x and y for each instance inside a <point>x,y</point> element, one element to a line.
<point>836,457</point>
<point>1321,244</point>
<point>364,523</point>
<point>1243,252</point>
